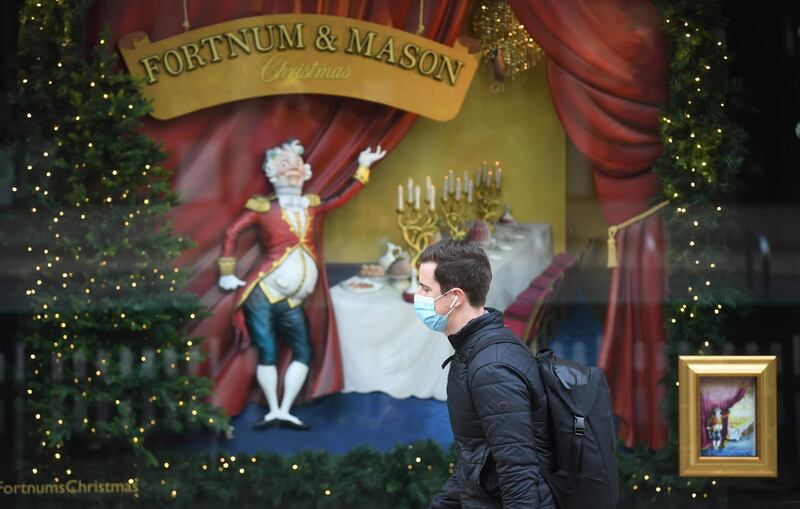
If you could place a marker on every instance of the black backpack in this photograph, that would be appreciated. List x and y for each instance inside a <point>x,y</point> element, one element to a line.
<point>583,473</point>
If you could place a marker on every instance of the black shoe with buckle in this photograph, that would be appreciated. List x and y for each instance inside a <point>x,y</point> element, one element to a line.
<point>263,424</point>
<point>293,425</point>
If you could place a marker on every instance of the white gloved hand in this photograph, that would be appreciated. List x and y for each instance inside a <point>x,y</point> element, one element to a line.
<point>230,282</point>
<point>367,156</point>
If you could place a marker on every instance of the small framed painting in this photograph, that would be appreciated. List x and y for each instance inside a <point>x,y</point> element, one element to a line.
<point>727,416</point>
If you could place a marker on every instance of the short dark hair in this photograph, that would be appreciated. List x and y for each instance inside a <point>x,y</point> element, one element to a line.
<point>462,264</point>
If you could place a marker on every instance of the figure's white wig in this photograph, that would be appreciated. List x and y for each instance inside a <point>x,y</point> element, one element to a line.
<point>270,155</point>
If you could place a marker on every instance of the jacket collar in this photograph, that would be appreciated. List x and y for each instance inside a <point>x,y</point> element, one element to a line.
<point>464,338</point>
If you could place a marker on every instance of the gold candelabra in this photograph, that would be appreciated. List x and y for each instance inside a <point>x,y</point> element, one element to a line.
<point>456,207</point>
<point>488,194</point>
<point>417,223</point>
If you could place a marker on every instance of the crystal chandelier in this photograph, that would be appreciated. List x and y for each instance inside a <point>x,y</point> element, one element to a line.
<point>504,42</point>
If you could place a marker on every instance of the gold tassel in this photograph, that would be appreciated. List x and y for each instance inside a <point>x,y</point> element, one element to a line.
<point>612,231</point>
<point>612,248</point>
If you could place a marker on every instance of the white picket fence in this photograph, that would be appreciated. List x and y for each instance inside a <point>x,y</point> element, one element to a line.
<point>12,385</point>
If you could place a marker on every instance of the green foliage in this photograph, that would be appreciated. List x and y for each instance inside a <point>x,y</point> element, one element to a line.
<point>703,150</point>
<point>649,479</point>
<point>108,358</point>
<point>360,479</point>
<point>107,299</point>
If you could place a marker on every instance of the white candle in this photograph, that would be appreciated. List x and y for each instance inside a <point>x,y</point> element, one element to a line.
<point>478,176</point>
<point>499,176</point>
<point>445,188</point>
<point>399,197</point>
<point>458,188</point>
<point>465,179</point>
<point>410,190</point>
<point>470,185</point>
<point>452,181</point>
<point>433,198</point>
<point>428,185</point>
<point>487,176</point>
<point>416,198</point>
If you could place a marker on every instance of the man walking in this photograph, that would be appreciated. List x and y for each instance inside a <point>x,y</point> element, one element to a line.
<point>500,426</point>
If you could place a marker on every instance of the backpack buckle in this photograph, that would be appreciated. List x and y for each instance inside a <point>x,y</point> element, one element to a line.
<point>580,426</point>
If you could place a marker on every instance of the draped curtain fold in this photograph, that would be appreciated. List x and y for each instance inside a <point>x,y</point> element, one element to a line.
<point>607,70</point>
<point>217,153</point>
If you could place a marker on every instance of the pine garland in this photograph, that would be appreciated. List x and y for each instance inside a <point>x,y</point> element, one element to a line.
<point>108,362</point>
<point>405,477</point>
<point>107,358</point>
<point>703,151</point>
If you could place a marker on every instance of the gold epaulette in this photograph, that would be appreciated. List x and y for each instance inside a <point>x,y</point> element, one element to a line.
<point>313,200</point>
<point>258,203</point>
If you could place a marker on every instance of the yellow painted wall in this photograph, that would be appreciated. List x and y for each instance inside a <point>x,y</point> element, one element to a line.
<point>518,127</point>
<point>584,216</point>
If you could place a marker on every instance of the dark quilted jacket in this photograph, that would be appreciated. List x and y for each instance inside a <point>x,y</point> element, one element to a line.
<point>500,429</point>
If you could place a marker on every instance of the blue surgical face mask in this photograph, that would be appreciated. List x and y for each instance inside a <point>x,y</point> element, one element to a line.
<point>426,310</point>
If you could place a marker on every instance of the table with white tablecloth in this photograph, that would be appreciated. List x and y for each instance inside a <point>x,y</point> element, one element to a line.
<point>386,348</point>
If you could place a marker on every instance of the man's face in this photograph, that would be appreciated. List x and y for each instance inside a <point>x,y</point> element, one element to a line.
<point>289,168</point>
<point>429,287</point>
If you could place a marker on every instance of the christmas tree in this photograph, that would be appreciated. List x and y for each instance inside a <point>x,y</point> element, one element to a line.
<point>108,357</point>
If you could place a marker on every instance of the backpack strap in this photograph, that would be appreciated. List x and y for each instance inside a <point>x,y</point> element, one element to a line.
<point>510,340</point>
<point>467,360</point>
<point>504,339</point>
<point>576,451</point>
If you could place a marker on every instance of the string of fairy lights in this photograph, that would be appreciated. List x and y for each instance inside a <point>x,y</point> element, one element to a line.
<point>71,273</point>
<point>693,172</point>
<point>703,138</point>
<point>99,255</point>
<point>698,166</point>
<point>692,153</point>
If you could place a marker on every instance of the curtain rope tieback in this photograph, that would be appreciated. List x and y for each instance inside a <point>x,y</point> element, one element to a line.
<point>186,24</point>
<point>612,231</point>
<point>420,26</point>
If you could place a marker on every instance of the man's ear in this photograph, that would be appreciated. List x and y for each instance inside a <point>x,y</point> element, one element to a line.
<point>459,295</point>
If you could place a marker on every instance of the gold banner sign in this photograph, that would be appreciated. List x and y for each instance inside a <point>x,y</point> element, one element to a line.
<point>300,54</point>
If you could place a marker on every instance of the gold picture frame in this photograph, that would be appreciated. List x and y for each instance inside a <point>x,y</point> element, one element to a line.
<point>727,413</point>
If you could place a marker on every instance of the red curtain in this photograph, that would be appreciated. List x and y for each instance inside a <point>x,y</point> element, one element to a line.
<point>608,77</point>
<point>217,153</point>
